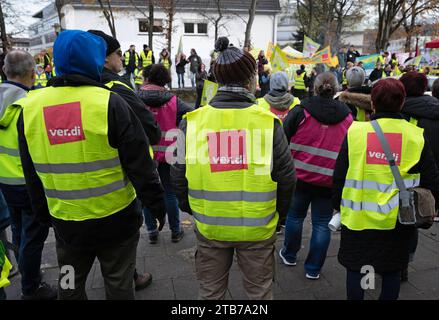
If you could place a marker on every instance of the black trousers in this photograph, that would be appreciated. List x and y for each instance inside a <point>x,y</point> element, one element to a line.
<point>117,266</point>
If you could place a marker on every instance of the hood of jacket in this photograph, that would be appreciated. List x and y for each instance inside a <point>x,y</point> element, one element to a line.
<point>421,107</point>
<point>79,52</point>
<point>281,103</point>
<point>154,96</point>
<point>9,94</point>
<point>359,100</point>
<point>327,111</point>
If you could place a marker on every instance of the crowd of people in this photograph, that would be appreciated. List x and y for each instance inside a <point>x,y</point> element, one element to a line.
<point>93,155</point>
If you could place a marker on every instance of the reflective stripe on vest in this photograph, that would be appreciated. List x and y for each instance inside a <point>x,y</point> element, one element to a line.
<point>281,114</point>
<point>233,222</point>
<point>66,129</point>
<point>299,81</point>
<point>370,198</point>
<point>110,84</point>
<point>231,192</point>
<point>146,59</point>
<point>166,116</point>
<point>315,148</point>
<point>11,171</point>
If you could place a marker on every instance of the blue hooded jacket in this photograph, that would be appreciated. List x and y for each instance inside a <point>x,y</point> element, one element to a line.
<point>79,52</point>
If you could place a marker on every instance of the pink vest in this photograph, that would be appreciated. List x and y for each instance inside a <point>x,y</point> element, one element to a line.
<point>315,149</point>
<point>166,116</point>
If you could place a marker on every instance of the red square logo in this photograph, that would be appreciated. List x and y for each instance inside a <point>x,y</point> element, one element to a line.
<point>375,153</point>
<point>227,150</point>
<point>64,123</point>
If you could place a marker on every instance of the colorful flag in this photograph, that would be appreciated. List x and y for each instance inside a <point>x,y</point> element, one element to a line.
<point>270,50</point>
<point>333,61</point>
<point>322,56</point>
<point>279,60</point>
<point>368,61</point>
<point>310,47</point>
<point>209,91</point>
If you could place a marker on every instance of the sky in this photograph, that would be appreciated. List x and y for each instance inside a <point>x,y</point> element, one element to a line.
<point>26,8</point>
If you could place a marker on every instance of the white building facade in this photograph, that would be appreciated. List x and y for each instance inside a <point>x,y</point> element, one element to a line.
<point>192,24</point>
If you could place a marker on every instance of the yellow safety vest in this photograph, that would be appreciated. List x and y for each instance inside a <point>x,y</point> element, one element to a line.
<point>265,105</point>
<point>138,79</point>
<point>299,81</point>
<point>381,60</point>
<point>345,80</point>
<point>165,62</point>
<point>5,267</point>
<point>127,58</point>
<point>231,193</point>
<point>370,198</point>
<point>361,114</point>
<point>11,171</point>
<point>66,129</point>
<point>41,79</point>
<point>146,59</point>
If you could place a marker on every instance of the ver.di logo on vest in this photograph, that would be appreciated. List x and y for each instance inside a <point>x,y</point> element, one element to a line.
<point>375,153</point>
<point>64,123</point>
<point>227,150</point>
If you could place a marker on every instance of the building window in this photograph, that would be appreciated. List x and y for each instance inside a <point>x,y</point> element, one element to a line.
<point>195,28</point>
<point>157,27</point>
<point>202,28</point>
<point>189,28</point>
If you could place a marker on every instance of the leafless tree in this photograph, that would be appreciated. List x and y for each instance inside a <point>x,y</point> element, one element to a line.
<point>411,18</point>
<point>216,13</point>
<point>251,18</point>
<point>107,10</point>
<point>169,7</point>
<point>149,15</point>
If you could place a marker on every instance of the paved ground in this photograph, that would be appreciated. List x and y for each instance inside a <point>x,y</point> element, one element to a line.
<point>172,266</point>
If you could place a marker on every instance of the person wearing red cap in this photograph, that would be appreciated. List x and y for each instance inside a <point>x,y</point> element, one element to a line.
<point>372,238</point>
<point>235,193</point>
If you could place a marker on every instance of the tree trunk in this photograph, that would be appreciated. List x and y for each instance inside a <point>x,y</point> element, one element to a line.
<point>108,14</point>
<point>251,18</point>
<point>171,13</point>
<point>151,24</point>
<point>3,35</point>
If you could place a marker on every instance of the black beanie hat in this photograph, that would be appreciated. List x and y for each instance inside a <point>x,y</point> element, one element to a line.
<point>112,43</point>
<point>233,66</point>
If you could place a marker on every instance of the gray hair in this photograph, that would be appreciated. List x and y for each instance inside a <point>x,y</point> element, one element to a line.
<point>326,85</point>
<point>18,64</point>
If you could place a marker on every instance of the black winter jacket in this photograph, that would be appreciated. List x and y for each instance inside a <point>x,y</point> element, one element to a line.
<point>125,134</point>
<point>282,170</point>
<point>327,111</point>
<point>150,126</point>
<point>385,250</point>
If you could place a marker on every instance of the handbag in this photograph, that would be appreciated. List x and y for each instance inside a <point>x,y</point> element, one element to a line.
<point>416,205</point>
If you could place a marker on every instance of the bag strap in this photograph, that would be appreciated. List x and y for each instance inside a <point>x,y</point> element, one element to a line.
<point>404,194</point>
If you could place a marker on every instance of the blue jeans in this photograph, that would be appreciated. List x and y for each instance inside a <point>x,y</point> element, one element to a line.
<point>193,77</point>
<point>29,236</point>
<point>321,214</point>
<point>170,202</point>
<point>391,283</point>
<point>180,77</point>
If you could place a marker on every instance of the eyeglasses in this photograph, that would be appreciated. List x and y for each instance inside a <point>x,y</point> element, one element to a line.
<point>119,53</point>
